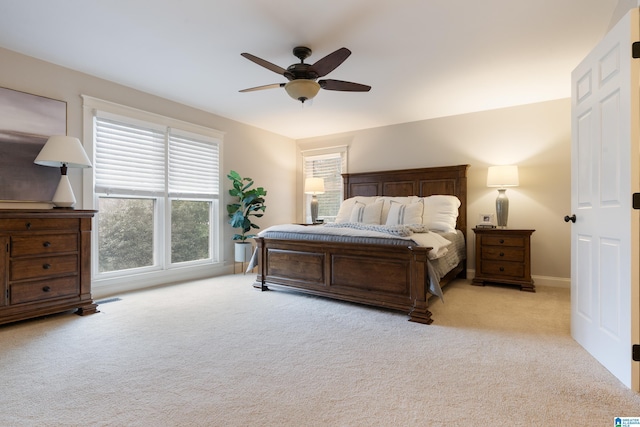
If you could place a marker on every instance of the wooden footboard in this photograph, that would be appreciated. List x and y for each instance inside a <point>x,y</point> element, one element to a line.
<point>387,276</point>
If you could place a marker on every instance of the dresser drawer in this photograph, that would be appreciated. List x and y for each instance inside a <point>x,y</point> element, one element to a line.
<point>33,268</point>
<point>43,289</point>
<point>36,224</point>
<point>497,253</point>
<point>503,269</point>
<point>43,244</point>
<point>515,241</point>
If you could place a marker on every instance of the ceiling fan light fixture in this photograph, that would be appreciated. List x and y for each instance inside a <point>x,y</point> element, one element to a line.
<point>302,89</point>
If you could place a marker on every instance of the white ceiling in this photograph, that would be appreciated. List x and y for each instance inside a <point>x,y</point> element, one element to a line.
<point>423,58</point>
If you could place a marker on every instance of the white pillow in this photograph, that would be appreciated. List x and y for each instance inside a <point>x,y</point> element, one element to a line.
<point>344,213</point>
<point>367,214</point>
<point>401,213</point>
<point>387,204</point>
<point>440,212</point>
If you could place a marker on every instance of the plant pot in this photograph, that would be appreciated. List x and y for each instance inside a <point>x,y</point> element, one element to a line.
<point>243,251</point>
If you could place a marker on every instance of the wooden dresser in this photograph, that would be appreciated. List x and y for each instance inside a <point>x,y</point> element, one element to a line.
<point>504,256</point>
<point>46,267</point>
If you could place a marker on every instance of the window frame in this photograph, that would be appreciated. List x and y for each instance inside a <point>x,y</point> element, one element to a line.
<point>163,270</point>
<point>342,152</point>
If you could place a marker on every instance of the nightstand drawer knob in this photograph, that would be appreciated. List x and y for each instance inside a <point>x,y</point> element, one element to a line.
<point>501,268</point>
<point>501,253</point>
<point>46,266</point>
<point>46,244</point>
<point>46,289</point>
<point>501,240</point>
<point>28,225</point>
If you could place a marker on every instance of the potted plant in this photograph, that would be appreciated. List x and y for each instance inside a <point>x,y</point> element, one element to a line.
<point>249,203</point>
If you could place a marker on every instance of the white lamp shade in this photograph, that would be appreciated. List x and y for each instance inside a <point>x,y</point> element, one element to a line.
<point>302,89</point>
<point>314,186</point>
<point>63,150</point>
<point>502,176</point>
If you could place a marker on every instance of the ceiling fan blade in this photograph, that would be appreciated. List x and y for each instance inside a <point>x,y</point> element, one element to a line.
<point>343,86</point>
<point>266,64</point>
<point>271,86</point>
<point>330,62</point>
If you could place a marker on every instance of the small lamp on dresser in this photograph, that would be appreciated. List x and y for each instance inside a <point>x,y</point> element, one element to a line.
<point>63,152</point>
<point>314,186</point>
<point>502,177</point>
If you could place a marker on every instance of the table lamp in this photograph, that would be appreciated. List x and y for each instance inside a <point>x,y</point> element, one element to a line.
<point>502,177</point>
<point>63,152</point>
<point>314,186</point>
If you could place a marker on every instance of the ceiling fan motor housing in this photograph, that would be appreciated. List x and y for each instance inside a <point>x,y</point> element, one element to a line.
<point>300,71</point>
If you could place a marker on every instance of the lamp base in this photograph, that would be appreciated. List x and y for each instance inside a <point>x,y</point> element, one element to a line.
<point>502,208</point>
<point>63,197</point>
<point>314,209</point>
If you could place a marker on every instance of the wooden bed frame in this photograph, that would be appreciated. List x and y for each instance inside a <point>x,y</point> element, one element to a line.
<point>394,277</point>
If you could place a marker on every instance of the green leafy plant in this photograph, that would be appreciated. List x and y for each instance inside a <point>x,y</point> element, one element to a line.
<point>250,203</point>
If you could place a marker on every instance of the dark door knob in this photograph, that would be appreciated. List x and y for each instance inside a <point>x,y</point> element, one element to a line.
<point>571,218</point>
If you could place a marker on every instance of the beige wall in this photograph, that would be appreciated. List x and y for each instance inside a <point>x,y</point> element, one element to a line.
<point>264,156</point>
<point>536,137</point>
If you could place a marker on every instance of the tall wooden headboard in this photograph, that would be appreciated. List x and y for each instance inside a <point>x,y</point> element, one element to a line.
<point>448,180</point>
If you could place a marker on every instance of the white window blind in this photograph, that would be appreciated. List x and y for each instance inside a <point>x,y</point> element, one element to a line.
<point>193,167</point>
<point>129,157</point>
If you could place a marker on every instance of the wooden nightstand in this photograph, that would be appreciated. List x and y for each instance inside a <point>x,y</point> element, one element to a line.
<point>504,256</point>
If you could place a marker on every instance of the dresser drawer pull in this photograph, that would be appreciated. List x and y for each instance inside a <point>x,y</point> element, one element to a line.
<point>28,225</point>
<point>501,240</point>
<point>501,268</point>
<point>501,253</point>
<point>46,266</point>
<point>46,289</point>
<point>46,244</point>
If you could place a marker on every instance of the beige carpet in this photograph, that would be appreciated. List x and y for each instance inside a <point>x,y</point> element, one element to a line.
<point>219,353</point>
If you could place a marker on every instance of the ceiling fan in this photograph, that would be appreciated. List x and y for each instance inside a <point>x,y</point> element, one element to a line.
<point>302,84</point>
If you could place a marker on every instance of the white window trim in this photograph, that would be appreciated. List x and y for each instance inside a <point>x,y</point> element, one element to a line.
<point>146,276</point>
<point>343,150</point>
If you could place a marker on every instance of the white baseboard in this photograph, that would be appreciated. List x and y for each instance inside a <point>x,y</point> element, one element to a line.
<point>556,282</point>
<point>102,290</point>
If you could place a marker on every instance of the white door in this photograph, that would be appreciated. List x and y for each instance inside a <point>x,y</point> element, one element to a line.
<point>604,174</point>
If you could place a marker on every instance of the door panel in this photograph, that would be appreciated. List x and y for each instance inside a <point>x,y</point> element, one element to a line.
<point>582,296</point>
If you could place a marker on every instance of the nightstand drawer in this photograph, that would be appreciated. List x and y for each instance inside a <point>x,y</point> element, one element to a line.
<point>43,289</point>
<point>33,268</point>
<point>43,244</point>
<point>503,269</point>
<point>515,241</point>
<point>502,254</point>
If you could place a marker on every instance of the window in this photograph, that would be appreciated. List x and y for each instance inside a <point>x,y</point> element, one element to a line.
<point>328,164</point>
<point>156,188</point>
